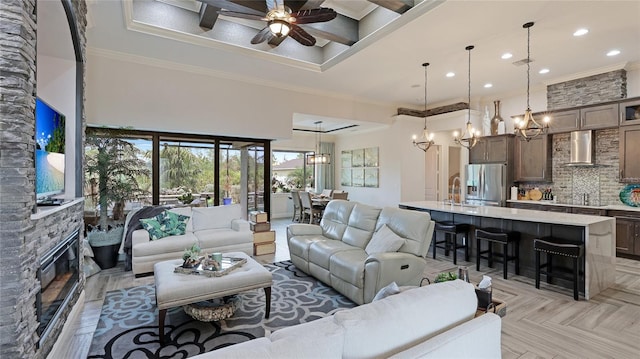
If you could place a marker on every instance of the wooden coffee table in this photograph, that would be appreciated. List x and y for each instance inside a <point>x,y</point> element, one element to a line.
<point>175,289</point>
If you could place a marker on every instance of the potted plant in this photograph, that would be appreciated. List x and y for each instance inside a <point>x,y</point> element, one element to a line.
<point>113,166</point>
<point>227,189</point>
<point>191,256</point>
<point>445,277</point>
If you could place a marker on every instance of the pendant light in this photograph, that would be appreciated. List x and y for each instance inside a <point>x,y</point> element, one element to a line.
<point>317,157</point>
<point>426,140</point>
<point>469,137</point>
<point>528,127</point>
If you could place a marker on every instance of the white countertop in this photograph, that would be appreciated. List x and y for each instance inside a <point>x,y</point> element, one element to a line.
<point>616,207</point>
<point>526,215</point>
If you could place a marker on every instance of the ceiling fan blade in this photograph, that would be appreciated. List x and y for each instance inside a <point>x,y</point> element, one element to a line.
<point>241,15</point>
<point>301,36</point>
<point>262,36</point>
<point>314,15</point>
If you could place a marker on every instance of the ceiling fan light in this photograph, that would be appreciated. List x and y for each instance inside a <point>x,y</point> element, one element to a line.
<point>279,28</point>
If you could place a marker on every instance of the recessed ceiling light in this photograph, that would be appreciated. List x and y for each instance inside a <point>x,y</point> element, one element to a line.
<point>543,71</point>
<point>613,53</point>
<point>450,74</point>
<point>415,86</point>
<point>580,32</point>
<point>506,55</point>
<point>488,86</point>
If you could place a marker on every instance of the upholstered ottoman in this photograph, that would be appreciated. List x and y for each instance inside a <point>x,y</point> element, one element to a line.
<point>175,289</point>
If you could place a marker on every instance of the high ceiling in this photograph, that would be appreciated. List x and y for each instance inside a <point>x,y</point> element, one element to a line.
<point>383,64</point>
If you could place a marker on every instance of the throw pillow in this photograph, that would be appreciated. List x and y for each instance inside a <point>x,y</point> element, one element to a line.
<point>165,224</point>
<point>390,289</point>
<point>384,240</point>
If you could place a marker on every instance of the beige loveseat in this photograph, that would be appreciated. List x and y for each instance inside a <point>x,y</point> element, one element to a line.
<point>214,229</point>
<point>339,251</point>
<point>434,321</point>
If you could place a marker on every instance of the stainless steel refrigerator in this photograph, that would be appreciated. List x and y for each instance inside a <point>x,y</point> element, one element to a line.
<point>486,184</point>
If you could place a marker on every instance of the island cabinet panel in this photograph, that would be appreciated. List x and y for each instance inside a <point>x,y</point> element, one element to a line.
<point>597,117</point>
<point>627,232</point>
<point>564,121</point>
<point>533,159</point>
<point>589,211</point>
<point>629,154</point>
<point>492,149</point>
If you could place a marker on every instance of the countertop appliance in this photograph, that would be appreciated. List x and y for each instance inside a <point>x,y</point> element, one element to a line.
<point>486,184</point>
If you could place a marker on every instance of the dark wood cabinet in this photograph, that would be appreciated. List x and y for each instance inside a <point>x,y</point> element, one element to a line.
<point>585,118</point>
<point>518,205</point>
<point>533,159</point>
<point>589,211</point>
<point>630,112</point>
<point>564,121</point>
<point>492,149</point>
<point>627,232</point>
<point>629,154</point>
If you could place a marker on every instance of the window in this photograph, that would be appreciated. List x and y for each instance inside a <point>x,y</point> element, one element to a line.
<point>186,172</point>
<point>290,172</point>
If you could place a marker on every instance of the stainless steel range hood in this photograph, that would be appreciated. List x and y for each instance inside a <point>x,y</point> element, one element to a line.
<point>582,149</point>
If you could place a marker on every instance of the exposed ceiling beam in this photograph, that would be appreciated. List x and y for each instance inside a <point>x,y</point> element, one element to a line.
<point>342,29</point>
<point>208,16</point>
<point>399,6</point>
<point>249,7</point>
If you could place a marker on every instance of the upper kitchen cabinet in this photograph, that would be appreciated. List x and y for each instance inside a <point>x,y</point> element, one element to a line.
<point>630,153</point>
<point>533,159</point>
<point>492,149</point>
<point>585,118</point>
<point>630,112</point>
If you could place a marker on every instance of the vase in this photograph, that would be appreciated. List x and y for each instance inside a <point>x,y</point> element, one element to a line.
<point>496,120</point>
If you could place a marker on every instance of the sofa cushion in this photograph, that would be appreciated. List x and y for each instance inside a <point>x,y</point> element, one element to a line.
<point>185,211</point>
<point>362,224</point>
<point>349,266</point>
<point>165,245</point>
<point>299,245</point>
<point>211,238</point>
<point>215,217</point>
<point>165,224</point>
<point>335,219</point>
<point>396,323</point>
<point>321,252</point>
<point>384,240</point>
<point>321,338</point>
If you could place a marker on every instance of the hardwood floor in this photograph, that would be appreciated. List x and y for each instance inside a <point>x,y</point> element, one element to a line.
<point>545,323</point>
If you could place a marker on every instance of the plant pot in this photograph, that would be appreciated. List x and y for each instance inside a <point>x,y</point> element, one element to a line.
<point>105,246</point>
<point>106,256</point>
<point>226,200</point>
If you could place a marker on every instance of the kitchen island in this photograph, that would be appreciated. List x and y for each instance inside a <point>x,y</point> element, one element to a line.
<point>597,233</point>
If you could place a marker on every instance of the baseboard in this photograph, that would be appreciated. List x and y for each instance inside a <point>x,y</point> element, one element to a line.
<point>68,330</point>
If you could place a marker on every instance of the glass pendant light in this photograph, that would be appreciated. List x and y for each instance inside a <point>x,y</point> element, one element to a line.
<point>469,137</point>
<point>426,140</point>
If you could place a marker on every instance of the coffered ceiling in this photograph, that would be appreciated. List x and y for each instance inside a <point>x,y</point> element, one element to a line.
<point>382,62</point>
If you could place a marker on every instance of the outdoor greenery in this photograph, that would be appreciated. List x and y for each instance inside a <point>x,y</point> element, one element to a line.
<point>57,142</point>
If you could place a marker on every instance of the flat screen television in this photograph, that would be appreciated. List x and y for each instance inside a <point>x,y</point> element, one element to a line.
<point>50,146</point>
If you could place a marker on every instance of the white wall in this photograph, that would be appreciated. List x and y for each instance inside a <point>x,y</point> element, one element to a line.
<point>162,96</point>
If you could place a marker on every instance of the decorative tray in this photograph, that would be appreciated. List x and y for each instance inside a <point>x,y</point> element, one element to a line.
<point>209,267</point>
<point>630,195</point>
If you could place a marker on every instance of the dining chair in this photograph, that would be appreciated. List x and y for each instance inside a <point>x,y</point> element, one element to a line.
<point>313,211</point>
<point>326,193</point>
<point>340,195</point>
<point>297,206</point>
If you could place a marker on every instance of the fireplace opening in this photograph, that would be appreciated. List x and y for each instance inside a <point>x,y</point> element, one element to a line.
<point>59,276</point>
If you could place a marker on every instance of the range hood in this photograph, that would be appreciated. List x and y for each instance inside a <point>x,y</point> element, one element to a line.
<point>582,149</point>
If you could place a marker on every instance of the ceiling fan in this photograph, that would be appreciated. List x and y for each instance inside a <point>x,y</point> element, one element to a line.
<point>282,22</point>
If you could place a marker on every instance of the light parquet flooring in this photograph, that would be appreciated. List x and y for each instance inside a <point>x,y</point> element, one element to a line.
<point>545,323</point>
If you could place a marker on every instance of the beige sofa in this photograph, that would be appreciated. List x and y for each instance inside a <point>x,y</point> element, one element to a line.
<point>434,321</point>
<point>214,229</point>
<point>338,251</point>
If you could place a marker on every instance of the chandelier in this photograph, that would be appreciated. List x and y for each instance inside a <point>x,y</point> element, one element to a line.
<point>469,137</point>
<point>426,140</point>
<point>317,157</point>
<point>528,127</point>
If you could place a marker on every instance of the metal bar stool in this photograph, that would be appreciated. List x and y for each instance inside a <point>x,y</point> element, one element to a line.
<point>554,246</point>
<point>450,241</point>
<point>497,235</point>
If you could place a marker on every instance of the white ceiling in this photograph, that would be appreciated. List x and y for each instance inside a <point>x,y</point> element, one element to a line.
<point>387,66</point>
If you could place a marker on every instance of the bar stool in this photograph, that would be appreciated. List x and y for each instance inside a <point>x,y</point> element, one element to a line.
<point>497,235</point>
<point>554,246</point>
<point>450,241</point>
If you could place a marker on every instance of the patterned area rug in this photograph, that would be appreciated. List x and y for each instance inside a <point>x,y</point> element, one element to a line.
<point>128,324</point>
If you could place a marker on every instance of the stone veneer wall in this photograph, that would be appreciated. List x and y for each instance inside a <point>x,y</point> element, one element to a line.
<point>590,90</point>
<point>601,182</point>
<point>22,239</point>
